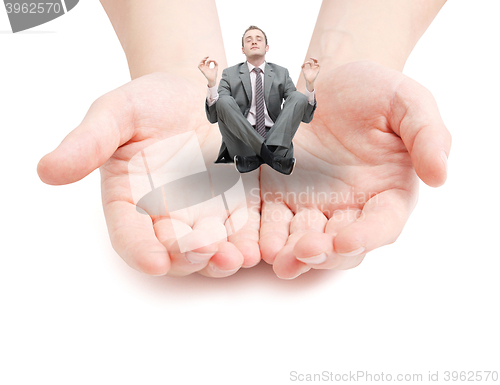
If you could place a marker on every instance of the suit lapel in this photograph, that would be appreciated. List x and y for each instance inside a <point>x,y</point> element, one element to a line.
<point>245,80</point>
<point>268,81</point>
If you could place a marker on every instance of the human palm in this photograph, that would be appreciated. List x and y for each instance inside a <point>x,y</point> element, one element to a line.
<point>353,189</point>
<point>139,135</point>
<point>355,183</point>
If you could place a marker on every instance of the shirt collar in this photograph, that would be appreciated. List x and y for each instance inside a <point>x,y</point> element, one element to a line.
<point>251,67</point>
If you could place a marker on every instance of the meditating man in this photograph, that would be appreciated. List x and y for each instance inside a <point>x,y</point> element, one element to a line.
<point>247,105</point>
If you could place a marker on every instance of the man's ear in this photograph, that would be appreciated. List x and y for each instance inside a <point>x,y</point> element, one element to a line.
<point>267,48</point>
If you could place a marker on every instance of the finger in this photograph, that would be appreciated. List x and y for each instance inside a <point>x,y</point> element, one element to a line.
<point>133,238</point>
<point>416,119</point>
<point>316,250</point>
<point>164,229</point>
<point>190,249</point>
<point>285,265</point>
<point>107,125</point>
<point>225,262</point>
<point>274,230</point>
<point>214,67</point>
<point>243,223</point>
<point>307,221</point>
<point>380,223</point>
<point>350,234</point>
<point>246,239</point>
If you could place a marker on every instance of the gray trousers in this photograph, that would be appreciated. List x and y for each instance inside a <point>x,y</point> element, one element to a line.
<point>242,139</point>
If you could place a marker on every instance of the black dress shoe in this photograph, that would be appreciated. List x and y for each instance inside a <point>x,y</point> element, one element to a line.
<point>283,165</point>
<point>247,163</point>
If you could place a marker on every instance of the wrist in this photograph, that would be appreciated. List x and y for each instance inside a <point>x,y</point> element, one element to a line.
<point>155,35</point>
<point>345,45</point>
<point>384,31</point>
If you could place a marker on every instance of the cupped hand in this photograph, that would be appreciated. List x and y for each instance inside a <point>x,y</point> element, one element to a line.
<point>166,214</point>
<point>355,184</point>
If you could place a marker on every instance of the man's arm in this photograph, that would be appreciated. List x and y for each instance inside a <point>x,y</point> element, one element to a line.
<point>289,86</point>
<point>311,97</point>
<point>224,86</point>
<point>210,105</point>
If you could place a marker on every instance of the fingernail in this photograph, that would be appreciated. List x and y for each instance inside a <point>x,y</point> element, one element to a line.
<point>305,270</point>
<point>194,257</point>
<point>225,272</point>
<point>316,260</point>
<point>353,253</point>
<point>445,160</point>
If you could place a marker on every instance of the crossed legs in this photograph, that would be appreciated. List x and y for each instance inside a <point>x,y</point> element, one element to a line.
<point>237,133</point>
<point>242,139</point>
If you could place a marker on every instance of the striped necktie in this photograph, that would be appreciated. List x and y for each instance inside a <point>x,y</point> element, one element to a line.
<point>260,123</point>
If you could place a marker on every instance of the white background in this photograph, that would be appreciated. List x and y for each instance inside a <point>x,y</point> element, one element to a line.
<point>72,312</point>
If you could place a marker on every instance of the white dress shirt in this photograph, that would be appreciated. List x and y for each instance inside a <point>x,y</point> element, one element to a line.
<point>213,96</point>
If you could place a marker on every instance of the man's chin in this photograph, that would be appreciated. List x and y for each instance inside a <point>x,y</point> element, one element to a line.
<point>255,55</point>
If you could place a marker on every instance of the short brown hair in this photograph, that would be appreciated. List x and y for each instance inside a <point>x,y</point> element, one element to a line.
<point>249,29</point>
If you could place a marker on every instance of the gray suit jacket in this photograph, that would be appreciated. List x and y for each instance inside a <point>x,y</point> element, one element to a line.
<point>235,82</point>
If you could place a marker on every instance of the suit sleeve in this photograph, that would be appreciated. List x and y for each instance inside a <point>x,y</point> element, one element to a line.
<point>289,86</point>
<point>224,89</point>
<point>309,114</point>
<point>289,89</point>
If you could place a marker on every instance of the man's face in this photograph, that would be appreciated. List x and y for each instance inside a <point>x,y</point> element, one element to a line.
<point>254,44</point>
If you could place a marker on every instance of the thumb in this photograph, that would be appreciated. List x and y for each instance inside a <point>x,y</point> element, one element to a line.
<point>107,125</point>
<point>416,119</point>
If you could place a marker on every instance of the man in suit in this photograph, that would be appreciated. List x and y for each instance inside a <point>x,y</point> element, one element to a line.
<point>247,105</point>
